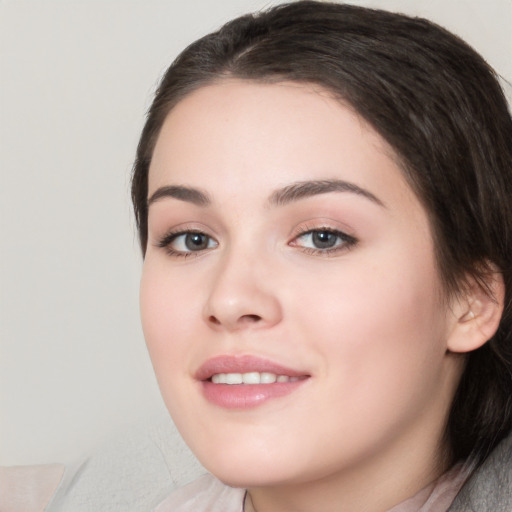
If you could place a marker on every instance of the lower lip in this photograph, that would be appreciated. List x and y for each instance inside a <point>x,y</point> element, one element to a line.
<point>246,396</point>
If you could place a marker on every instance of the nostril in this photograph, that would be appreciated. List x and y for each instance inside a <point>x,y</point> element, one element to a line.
<point>244,319</point>
<point>213,320</point>
<point>250,318</point>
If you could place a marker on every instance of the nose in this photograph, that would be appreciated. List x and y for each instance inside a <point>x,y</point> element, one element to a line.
<point>242,295</point>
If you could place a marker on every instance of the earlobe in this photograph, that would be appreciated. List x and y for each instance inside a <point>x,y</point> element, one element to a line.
<point>477,314</point>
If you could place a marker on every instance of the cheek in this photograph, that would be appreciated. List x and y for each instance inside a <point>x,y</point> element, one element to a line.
<point>168,308</point>
<point>381,330</point>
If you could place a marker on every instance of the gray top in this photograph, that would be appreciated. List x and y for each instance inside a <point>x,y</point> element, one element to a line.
<point>490,488</point>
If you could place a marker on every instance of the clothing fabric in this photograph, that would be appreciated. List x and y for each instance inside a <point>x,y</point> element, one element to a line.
<point>489,489</point>
<point>28,488</point>
<point>204,494</point>
<point>210,495</point>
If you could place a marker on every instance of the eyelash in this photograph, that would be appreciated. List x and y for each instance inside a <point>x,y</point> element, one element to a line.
<point>345,242</point>
<point>169,238</point>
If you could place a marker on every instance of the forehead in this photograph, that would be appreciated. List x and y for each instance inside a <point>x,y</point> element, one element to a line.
<point>235,132</point>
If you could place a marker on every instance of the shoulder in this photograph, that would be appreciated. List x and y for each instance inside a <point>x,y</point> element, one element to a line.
<point>207,493</point>
<point>29,488</point>
<point>489,489</point>
<point>132,468</point>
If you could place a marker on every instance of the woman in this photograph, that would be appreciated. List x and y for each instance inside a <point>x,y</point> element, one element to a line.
<point>322,195</point>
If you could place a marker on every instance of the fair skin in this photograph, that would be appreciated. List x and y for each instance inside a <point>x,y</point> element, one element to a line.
<point>335,285</point>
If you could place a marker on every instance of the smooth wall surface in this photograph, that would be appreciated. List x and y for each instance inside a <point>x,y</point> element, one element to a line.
<point>76,78</point>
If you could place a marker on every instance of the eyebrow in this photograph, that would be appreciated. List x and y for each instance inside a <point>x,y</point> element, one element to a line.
<point>280,197</point>
<point>188,194</point>
<point>303,189</point>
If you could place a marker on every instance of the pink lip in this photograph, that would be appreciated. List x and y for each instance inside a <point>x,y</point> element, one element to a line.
<point>245,396</point>
<point>242,364</point>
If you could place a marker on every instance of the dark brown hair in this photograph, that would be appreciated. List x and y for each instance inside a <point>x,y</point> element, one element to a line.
<point>439,106</point>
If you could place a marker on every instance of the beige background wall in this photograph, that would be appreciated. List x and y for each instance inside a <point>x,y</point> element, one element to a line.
<point>76,78</point>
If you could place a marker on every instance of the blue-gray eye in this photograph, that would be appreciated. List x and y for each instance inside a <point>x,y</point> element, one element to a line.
<point>187,242</point>
<point>196,241</point>
<point>321,239</point>
<point>324,239</point>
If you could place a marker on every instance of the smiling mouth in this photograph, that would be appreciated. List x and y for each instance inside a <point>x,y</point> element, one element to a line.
<point>251,378</point>
<point>246,381</point>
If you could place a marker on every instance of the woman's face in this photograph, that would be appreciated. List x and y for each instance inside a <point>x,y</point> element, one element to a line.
<point>290,298</point>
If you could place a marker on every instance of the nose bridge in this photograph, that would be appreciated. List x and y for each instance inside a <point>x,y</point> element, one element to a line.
<point>240,295</point>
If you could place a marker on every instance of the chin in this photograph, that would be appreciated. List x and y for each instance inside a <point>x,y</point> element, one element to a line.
<point>250,476</point>
<point>266,467</point>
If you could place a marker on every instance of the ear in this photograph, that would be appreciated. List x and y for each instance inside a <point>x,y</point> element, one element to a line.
<point>477,314</point>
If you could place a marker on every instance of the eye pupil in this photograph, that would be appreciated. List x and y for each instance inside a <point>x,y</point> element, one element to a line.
<point>196,241</point>
<point>324,239</point>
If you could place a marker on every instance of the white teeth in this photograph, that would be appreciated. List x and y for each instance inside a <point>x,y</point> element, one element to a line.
<point>219,378</point>
<point>234,378</point>
<point>250,378</point>
<point>268,378</point>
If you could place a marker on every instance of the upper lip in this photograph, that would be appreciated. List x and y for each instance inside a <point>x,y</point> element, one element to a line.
<point>243,364</point>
